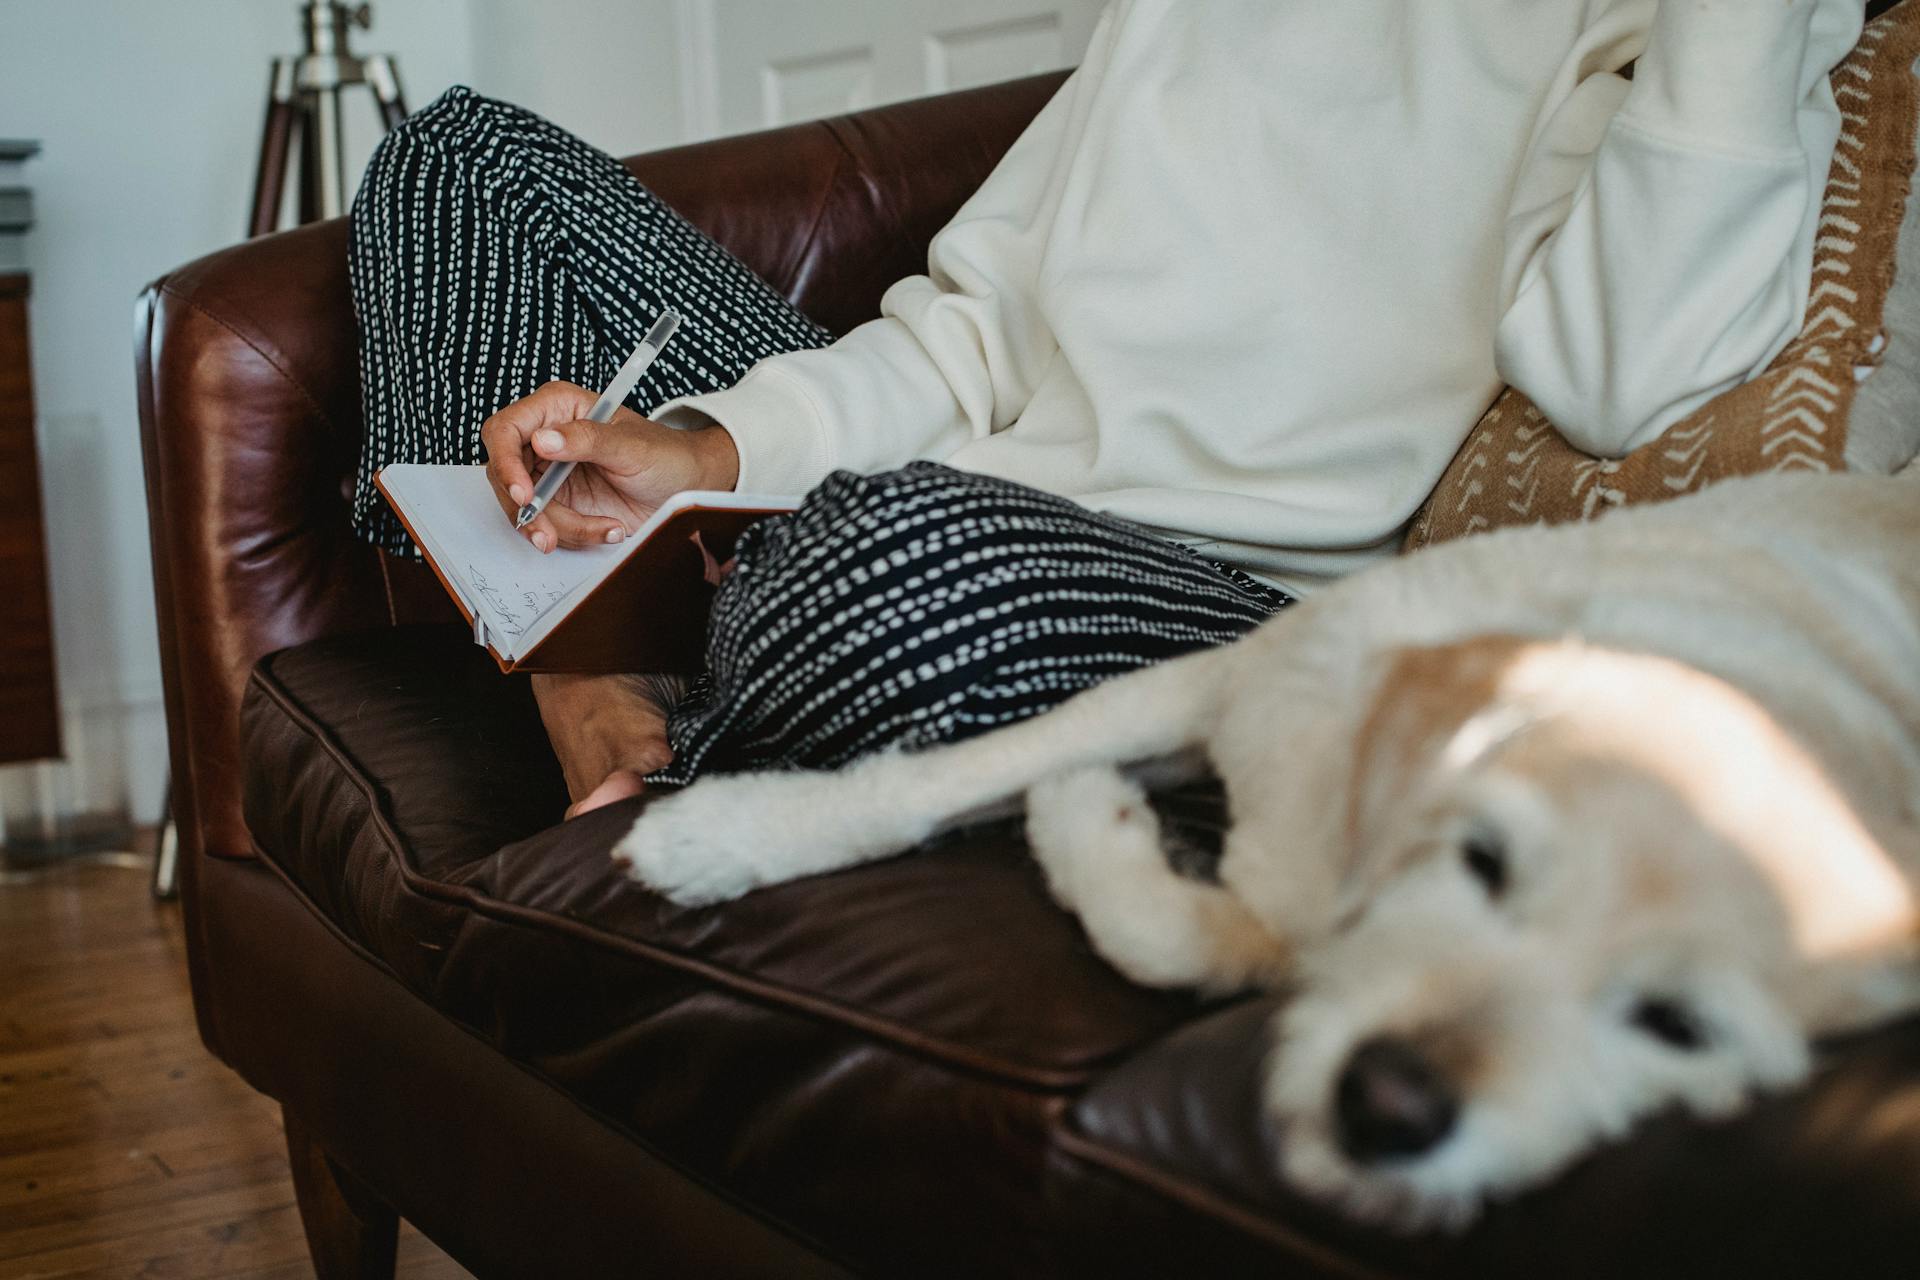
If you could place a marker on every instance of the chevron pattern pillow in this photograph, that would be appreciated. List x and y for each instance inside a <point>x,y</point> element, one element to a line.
<point>1844,395</point>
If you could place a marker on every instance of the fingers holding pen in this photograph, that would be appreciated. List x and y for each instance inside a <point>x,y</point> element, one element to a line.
<point>506,435</point>
<point>618,472</point>
<point>617,447</point>
<point>506,464</point>
<point>569,528</point>
<point>559,526</point>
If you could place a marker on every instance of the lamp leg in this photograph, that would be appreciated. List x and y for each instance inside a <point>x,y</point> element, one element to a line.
<point>383,77</point>
<point>276,138</point>
<point>329,147</point>
<point>310,159</point>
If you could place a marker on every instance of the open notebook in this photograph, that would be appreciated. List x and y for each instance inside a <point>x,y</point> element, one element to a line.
<point>640,605</point>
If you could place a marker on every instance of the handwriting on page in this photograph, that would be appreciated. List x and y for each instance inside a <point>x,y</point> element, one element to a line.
<point>516,603</point>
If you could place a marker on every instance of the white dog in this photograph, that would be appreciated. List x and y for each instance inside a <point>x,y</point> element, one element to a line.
<point>1547,829</point>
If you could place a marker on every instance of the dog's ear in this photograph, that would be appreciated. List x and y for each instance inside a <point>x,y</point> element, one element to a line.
<point>1422,700</point>
<point>1361,733</point>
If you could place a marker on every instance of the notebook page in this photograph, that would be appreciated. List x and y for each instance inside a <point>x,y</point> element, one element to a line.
<point>502,578</point>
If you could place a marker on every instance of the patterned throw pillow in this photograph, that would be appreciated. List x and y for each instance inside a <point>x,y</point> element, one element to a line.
<point>1845,394</point>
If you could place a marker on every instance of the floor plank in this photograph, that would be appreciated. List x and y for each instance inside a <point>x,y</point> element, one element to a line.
<point>125,1148</point>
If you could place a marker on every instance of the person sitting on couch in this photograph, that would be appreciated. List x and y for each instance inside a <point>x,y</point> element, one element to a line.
<point>1206,337</point>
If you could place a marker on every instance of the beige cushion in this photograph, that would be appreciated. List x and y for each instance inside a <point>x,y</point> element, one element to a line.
<point>1845,394</point>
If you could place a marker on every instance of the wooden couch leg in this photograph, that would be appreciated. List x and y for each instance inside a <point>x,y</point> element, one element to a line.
<point>350,1233</point>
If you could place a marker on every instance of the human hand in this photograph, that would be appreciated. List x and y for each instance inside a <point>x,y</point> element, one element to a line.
<point>627,467</point>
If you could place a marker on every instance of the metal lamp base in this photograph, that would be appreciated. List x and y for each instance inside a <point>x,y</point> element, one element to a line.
<point>303,114</point>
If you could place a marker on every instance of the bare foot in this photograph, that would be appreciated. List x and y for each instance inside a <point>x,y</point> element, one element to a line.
<point>608,731</point>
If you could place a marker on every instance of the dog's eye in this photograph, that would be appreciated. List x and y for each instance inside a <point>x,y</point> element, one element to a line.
<point>1669,1022</point>
<point>1486,858</point>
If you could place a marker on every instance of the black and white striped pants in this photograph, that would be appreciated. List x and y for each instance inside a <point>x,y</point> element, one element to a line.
<point>493,252</point>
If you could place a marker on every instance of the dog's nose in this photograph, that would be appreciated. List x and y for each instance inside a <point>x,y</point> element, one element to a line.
<point>1391,1101</point>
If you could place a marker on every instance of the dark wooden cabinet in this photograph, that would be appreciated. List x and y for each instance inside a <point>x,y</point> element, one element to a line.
<point>29,707</point>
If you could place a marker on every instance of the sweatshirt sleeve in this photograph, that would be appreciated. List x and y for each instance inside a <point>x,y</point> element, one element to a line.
<point>1660,243</point>
<point>956,353</point>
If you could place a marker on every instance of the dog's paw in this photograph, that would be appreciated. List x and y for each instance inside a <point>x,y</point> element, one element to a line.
<point>710,843</point>
<point>1080,823</point>
<point>727,836</point>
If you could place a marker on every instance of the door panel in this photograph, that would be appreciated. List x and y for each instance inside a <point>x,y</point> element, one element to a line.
<point>772,62</point>
<point>962,57</point>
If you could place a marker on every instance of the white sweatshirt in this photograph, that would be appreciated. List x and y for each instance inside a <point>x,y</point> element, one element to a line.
<point>1259,266</point>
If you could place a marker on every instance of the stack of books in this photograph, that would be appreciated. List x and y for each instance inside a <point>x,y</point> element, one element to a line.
<point>16,203</point>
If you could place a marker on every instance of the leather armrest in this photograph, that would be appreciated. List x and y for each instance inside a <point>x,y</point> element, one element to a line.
<point>247,367</point>
<point>247,364</point>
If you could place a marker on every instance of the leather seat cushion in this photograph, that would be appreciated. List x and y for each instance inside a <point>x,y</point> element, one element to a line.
<point>957,953</point>
<point>406,790</point>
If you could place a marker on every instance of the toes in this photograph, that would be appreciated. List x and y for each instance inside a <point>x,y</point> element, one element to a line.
<point>618,785</point>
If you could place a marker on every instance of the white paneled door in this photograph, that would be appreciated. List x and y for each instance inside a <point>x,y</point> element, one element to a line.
<point>751,64</point>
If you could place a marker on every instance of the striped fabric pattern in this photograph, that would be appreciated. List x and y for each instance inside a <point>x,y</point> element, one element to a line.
<point>926,605</point>
<point>492,252</point>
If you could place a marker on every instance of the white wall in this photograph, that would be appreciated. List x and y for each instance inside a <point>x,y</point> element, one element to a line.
<point>609,70</point>
<point>150,115</point>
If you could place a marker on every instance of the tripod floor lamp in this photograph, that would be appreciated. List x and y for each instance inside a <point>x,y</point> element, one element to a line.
<point>303,113</point>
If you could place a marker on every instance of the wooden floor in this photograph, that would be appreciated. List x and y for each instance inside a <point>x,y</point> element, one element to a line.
<point>126,1150</point>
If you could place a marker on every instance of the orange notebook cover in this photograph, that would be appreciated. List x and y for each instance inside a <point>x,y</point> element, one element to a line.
<point>640,605</point>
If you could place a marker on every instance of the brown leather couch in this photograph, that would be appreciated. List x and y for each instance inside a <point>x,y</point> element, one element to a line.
<point>917,1068</point>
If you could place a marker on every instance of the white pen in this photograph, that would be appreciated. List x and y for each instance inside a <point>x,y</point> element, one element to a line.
<point>603,410</point>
